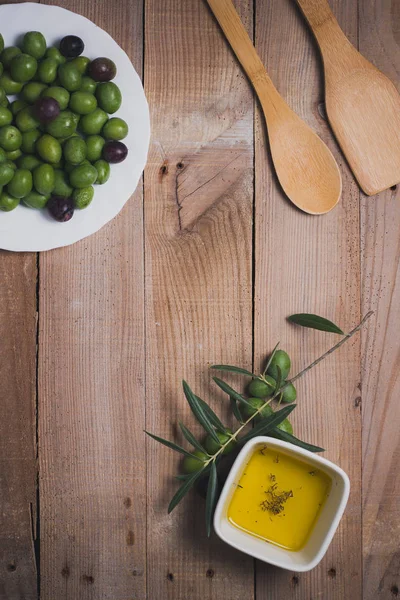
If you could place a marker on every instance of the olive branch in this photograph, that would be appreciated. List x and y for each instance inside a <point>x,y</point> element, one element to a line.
<point>208,461</point>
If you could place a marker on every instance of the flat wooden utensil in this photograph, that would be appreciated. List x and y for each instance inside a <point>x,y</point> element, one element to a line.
<point>362,104</point>
<point>305,167</point>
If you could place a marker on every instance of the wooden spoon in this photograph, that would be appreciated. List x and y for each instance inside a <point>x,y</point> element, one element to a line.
<point>305,167</point>
<point>362,104</point>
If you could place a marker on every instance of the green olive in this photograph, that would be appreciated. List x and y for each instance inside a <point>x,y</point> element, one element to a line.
<point>21,184</point>
<point>282,360</point>
<point>62,126</point>
<point>35,200</point>
<point>257,403</point>
<point>6,117</point>
<point>34,44</point>
<point>8,54</point>
<point>289,394</point>
<point>94,145</point>
<point>10,138</point>
<point>1,43</point>
<point>25,120</point>
<point>82,103</point>
<point>103,171</point>
<point>74,150</point>
<point>56,55</point>
<point>115,129</point>
<point>259,388</point>
<point>109,96</point>
<point>191,464</point>
<point>47,71</point>
<point>13,154</point>
<point>83,197</point>
<point>44,179</point>
<point>88,85</point>
<point>69,77</point>
<point>81,63</point>
<point>93,123</point>
<point>8,202</point>
<point>32,91</point>
<point>23,68</point>
<point>16,106</point>
<point>6,173</point>
<point>29,139</point>
<point>59,94</point>
<point>49,149</point>
<point>9,85</point>
<point>286,426</point>
<point>83,176</point>
<point>28,161</point>
<point>212,447</point>
<point>61,185</point>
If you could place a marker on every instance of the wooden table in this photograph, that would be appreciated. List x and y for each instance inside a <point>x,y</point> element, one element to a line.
<point>202,266</point>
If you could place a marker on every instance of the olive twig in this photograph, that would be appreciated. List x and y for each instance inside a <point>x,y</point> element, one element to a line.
<point>278,392</point>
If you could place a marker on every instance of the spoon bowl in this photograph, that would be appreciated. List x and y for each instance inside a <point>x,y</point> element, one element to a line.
<point>306,168</point>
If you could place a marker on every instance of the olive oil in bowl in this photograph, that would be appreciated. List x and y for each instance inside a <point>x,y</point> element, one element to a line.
<point>281,504</point>
<point>278,498</point>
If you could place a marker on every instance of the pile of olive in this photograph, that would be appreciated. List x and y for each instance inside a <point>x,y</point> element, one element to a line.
<point>56,139</point>
<point>259,389</point>
<point>263,387</point>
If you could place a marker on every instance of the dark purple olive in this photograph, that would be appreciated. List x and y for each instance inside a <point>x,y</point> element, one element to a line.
<point>102,69</point>
<point>115,152</point>
<point>46,109</point>
<point>71,46</point>
<point>60,208</point>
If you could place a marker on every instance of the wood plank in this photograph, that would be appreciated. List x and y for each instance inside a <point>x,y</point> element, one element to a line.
<point>198,215</point>
<point>310,264</point>
<point>379,36</point>
<point>18,470</point>
<point>18,475</point>
<point>91,391</point>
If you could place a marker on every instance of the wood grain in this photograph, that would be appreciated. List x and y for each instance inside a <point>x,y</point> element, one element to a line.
<point>309,264</point>
<point>102,378</point>
<point>198,215</point>
<point>18,426</point>
<point>380,221</point>
<point>91,392</point>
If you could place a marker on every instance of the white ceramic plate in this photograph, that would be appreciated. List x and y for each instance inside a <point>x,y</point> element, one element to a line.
<point>26,229</point>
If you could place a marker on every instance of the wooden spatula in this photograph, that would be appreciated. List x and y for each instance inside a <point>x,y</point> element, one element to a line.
<point>306,169</point>
<point>362,104</point>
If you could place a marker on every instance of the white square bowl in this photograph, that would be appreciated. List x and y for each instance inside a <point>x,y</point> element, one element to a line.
<point>323,531</point>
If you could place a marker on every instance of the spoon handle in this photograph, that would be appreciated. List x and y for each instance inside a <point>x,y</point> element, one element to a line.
<point>326,29</point>
<point>236,34</point>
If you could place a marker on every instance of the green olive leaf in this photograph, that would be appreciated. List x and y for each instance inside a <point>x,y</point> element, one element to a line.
<point>211,498</point>
<point>172,445</point>
<point>236,410</point>
<point>270,359</point>
<point>232,369</point>
<point>287,437</point>
<point>199,412</point>
<point>183,490</point>
<point>315,322</point>
<point>191,438</point>
<point>212,416</point>
<point>268,423</point>
<point>231,392</point>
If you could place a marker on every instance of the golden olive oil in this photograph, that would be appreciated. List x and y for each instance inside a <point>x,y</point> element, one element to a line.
<point>278,498</point>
